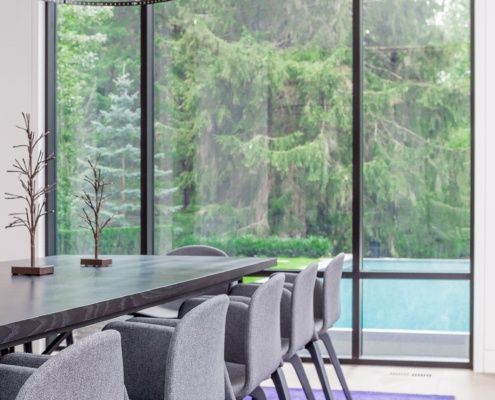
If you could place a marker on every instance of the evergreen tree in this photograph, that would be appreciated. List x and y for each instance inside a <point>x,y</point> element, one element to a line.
<point>79,50</point>
<point>254,107</point>
<point>117,143</point>
<point>117,139</point>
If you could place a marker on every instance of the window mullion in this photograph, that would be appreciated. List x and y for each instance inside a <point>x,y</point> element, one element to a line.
<point>357,187</point>
<point>147,130</point>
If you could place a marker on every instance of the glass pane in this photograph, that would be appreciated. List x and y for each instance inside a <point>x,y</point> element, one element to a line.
<point>433,265</point>
<point>253,108</point>
<point>416,319</point>
<point>341,332</point>
<point>98,117</point>
<point>417,185</point>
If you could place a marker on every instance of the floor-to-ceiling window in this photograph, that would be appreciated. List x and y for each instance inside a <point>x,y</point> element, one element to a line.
<point>255,152</point>
<point>416,177</point>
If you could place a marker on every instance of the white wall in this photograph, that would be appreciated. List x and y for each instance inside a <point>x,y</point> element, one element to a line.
<point>484,323</point>
<point>19,78</point>
<point>21,72</point>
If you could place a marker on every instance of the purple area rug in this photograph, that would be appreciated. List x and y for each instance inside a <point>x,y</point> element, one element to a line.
<point>298,394</point>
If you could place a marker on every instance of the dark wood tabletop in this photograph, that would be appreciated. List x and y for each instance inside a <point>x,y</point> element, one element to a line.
<point>32,307</point>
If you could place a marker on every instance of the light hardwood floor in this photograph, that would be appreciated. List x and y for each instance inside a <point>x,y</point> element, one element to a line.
<point>462,383</point>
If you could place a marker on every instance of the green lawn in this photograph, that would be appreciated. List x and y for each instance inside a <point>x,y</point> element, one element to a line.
<point>286,263</point>
<point>294,263</point>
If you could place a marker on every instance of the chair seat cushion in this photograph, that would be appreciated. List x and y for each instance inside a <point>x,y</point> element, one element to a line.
<point>166,310</point>
<point>318,325</point>
<point>285,345</point>
<point>237,376</point>
<point>25,359</point>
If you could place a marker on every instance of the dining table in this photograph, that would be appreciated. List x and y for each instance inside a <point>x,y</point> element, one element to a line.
<point>35,307</point>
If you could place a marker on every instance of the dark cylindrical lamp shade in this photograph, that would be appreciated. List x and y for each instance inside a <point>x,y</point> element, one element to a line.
<point>106,2</point>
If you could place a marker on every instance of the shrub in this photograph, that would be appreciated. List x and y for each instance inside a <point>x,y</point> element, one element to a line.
<point>268,246</point>
<point>126,240</point>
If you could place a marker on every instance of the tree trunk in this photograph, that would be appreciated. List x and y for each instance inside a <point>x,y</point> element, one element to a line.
<point>33,248</point>
<point>97,245</point>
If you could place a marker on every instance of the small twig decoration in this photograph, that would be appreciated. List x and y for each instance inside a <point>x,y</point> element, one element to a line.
<point>95,202</point>
<point>28,174</point>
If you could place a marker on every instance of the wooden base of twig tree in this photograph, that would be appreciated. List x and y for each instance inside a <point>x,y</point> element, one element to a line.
<point>33,271</point>
<point>96,262</point>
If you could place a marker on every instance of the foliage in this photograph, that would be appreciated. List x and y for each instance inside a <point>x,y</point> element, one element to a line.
<point>416,129</point>
<point>113,240</point>
<point>254,121</point>
<point>78,241</point>
<point>116,141</point>
<point>78,56</point>
<point>268,246</point>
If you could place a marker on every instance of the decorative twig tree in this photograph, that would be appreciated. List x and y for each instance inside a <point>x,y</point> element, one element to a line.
<point>29,172</point>
<point>95,202</point>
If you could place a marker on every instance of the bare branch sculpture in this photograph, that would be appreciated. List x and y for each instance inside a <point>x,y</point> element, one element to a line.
<point>29,172</point>
<point>95,203</point>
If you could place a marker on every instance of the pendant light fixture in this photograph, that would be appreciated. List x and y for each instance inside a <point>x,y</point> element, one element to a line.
<point>106,2</point>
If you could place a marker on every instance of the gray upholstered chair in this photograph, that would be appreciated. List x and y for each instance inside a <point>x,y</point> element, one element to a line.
<point>297,320</point>
<point>176,359</point>
<point>252,337</point>
<point>297,323</point>
<point>90,369</point>
<point>326,313</point>
<point>197,250</point>
<point>171,308</point>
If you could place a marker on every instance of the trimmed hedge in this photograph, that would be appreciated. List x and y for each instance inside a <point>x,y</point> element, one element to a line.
<point>270,246</point>
<point>126,240</point>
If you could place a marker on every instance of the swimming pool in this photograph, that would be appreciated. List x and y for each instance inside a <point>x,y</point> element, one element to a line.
<point>410,304</point>
<point>411,265</point>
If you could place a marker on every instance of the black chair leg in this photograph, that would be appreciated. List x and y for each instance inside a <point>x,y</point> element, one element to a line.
<point>296,362</point>
<point>69,339</point>
<point>336,363</point>
<point>281,387</point>
<point>28,347</point>
<point>56,342</point>
<point>258,394</point>
<point>315,352</point>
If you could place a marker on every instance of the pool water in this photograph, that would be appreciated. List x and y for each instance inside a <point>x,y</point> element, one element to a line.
<point>411,265</point>
<point>411,304</point>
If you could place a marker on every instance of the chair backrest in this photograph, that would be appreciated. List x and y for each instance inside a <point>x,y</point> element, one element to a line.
<point>263,342</point>
<point>209,251</point>
<point>302,325</point>
<point>330,301</point>
<point>90,369</point>
<point>195,366</point>
<point>197,250</point>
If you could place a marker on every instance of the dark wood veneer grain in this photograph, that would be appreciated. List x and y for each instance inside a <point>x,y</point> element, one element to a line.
<point>34,307</point>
